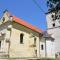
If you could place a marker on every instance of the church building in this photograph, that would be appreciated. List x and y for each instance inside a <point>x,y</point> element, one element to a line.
<point>18,38</point>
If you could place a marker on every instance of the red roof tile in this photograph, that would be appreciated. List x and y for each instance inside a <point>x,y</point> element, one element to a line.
<point>22,22</point>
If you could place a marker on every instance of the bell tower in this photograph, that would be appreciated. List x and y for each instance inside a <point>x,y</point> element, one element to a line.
<point>53,19</point>
<point>53,28</point>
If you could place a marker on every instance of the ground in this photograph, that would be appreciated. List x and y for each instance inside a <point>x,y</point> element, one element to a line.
<point>29,59</point>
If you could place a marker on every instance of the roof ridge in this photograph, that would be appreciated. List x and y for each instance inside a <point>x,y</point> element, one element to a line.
<point>22,22</point>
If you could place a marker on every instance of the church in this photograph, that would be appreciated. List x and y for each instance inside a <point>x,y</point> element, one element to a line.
<point>20,39</point>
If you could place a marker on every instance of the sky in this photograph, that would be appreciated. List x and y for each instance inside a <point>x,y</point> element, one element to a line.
<point>27,10</point>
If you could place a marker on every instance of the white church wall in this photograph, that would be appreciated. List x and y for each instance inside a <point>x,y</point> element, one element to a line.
<point>42,49</point>
<point>50,49</point>
<point>54,31</point>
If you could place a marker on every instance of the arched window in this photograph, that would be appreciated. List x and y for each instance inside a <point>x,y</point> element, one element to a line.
<point>0,44</point>
<point>53,24</point>
<point>3,19</point>
<point>36,53</point>
<point>42,47</point>
<point>21,38</point>
<point>35,40</point>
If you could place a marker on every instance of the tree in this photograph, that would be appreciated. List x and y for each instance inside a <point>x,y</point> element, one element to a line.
<point>53,4</point>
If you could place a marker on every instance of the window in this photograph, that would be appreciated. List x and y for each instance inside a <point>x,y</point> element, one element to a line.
<point>0,44</point>
<point>52,16</point>
<point>53,24</point>
<point>35,52</point>
<point>54,19</point>
<point>42,47</point>
<point>58,17</point>
<point>35,41</point>
<point>21,38</point>
<point>3,19</point>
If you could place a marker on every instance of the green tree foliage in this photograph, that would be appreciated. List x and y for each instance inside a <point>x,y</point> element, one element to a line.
<point>53,4</point>
<point>54,1</point>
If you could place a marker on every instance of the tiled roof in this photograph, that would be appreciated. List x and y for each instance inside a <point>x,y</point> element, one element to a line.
<point>24,23</point>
